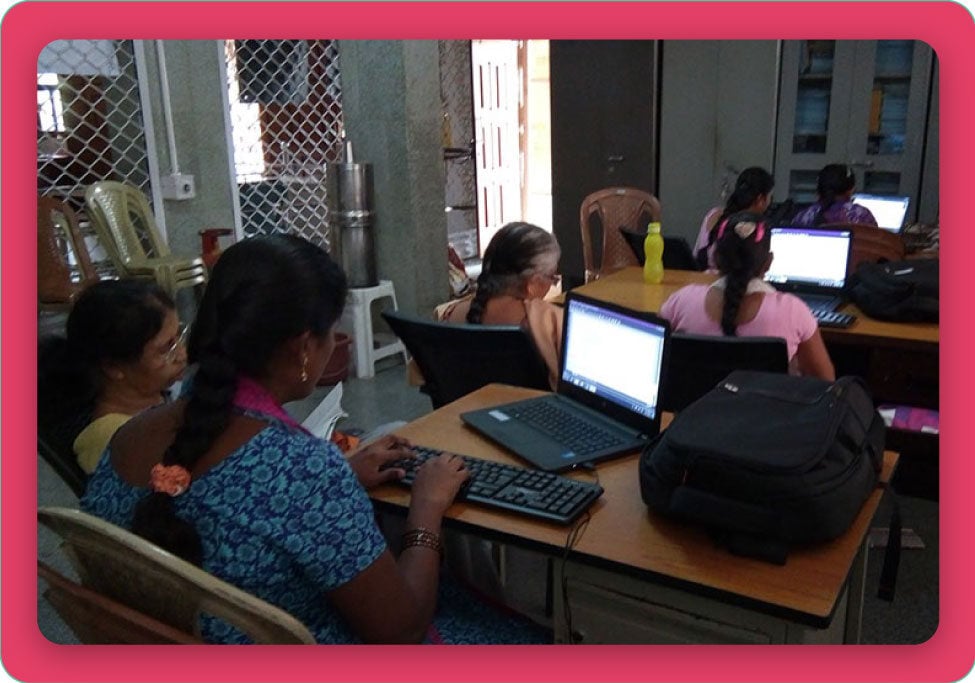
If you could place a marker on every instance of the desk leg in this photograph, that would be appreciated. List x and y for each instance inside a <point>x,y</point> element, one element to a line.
<point>856,589</point>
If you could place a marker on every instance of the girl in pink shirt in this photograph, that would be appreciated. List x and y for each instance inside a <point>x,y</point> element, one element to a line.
<point>742,303</point>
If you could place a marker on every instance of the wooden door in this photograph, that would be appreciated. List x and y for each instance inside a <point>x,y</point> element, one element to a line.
<point>604,129</point>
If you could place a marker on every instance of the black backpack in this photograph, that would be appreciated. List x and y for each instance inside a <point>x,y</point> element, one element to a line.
<point>905,291</point>
<point>767,460</point>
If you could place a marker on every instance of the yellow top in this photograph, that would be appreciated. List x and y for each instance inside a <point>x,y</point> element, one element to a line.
<point>93,439</point>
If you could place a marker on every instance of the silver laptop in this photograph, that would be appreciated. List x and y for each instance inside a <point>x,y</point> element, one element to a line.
<point>812,263</point>
<point>888,210</point>
<point>606,404</point>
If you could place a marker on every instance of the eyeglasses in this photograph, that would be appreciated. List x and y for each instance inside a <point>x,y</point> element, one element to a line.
<point>170,354</point>
<point>554,278</point>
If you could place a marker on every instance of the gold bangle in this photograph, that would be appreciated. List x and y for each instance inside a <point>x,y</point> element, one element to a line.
<point>422,537</point>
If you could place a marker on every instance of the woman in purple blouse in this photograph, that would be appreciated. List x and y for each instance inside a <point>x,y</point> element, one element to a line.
<point>835,189</point>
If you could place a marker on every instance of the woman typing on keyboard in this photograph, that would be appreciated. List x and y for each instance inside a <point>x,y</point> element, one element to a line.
<point>226,479</point>
<point>741,303</point>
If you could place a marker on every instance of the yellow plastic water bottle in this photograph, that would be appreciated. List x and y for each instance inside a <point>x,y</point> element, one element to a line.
<point>653,247</point>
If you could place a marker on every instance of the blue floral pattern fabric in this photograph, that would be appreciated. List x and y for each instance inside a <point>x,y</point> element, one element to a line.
<point>285,518</point>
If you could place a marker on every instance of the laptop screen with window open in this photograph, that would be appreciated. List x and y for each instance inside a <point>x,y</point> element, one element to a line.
<point>811,263</point>
<point>889,211</point>
<point>611,370</point>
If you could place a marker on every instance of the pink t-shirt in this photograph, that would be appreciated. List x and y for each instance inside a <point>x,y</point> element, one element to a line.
<point>780,315</point>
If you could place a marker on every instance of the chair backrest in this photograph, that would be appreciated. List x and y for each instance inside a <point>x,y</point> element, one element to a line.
<point>63,461</point>
<point>128,569</point>
<point>698,362</point>
<point>615,207</point>
<point>98,620</point>
<point>456,359</point>
<point>57,234</point>
<point>677,252</point>
<point>872,244</point>
<point>124,223</point>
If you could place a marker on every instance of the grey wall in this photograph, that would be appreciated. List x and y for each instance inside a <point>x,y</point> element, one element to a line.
<point>717,109</point>
<point>194,74</point>
<point>391,110</point>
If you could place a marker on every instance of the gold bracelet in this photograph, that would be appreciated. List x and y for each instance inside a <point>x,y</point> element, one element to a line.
<point>422,537</point>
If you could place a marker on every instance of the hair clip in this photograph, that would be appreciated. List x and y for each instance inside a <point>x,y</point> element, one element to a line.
<point>169,479</point>
<point>744,229</point>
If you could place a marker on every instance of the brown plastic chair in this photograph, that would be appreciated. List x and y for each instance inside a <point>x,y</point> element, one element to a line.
<point>616,207</point>
<point>127,229</point>
<point>872,244</point>
<point>57,236</point>
<point>129,570</point>
<point>98,620</point>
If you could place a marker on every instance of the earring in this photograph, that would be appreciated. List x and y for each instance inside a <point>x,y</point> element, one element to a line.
<point>304,367</point>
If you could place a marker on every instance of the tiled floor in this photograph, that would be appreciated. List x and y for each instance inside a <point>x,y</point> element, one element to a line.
<point>911,618</point>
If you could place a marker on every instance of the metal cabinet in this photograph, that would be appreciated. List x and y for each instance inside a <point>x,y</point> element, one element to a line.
<point>864,103</point>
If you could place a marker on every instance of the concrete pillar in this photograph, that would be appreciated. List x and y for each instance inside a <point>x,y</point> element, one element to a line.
<point>391,112</point>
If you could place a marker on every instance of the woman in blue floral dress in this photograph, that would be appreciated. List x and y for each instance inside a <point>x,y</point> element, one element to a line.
<point>226,479</point>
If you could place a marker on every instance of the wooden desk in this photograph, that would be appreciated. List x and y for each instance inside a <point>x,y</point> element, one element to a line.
<point>636,561</point>
<point>898,360</point>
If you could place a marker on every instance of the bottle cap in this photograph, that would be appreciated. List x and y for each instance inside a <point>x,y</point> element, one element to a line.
<point>654,227</point>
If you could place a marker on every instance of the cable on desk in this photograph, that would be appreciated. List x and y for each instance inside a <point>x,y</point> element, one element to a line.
<point>570,542</point>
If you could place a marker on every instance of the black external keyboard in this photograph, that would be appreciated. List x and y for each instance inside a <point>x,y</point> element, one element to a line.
<point>568,429</point>
<point>525,491</point>
<point>832,318</point>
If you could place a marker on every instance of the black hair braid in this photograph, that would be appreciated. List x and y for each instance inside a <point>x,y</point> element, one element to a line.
<point>488,285</point>
<point>736,284</point>
<point>739,259</point>
<point>751,183</point>
<point>206,416</point>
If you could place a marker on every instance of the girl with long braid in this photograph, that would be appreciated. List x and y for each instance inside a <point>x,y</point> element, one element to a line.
<point>753,192</point>
<point>834,187</point>
<point>741,303</point>
<point>520,267</point>
<point>225,478</point>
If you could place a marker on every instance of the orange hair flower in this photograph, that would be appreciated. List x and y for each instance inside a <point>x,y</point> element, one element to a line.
<point>169,479</point>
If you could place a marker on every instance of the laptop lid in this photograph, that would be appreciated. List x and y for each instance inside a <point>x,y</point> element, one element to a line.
<point>810,260</point>
<point>613,361</point>
<point>888,210</point>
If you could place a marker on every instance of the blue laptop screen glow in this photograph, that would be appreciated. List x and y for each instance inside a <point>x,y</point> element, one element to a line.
<point>614,356</point>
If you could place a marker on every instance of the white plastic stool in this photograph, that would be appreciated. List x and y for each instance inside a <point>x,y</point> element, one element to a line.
<point>368,347</point>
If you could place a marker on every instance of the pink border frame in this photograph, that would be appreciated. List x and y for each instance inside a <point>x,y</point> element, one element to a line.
<point>27,27</point>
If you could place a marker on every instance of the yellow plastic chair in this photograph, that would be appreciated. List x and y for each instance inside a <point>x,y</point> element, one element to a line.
<point>617,208</point>
<point>130,570</point>
<point>127,229</point>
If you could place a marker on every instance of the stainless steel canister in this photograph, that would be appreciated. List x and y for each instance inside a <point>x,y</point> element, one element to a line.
<point>351,218</point>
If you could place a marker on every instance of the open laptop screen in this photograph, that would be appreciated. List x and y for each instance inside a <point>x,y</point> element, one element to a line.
<point>816,257</point>
<point>889,211</point>
<point>613,355</point>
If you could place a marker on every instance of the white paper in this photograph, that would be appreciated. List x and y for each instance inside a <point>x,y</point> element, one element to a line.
<point>322,420</point>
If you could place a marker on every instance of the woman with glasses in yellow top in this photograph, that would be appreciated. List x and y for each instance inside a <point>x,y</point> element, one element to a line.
<point>123,350</point>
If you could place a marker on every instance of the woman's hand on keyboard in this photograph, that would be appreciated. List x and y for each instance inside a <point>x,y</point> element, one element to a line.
<point>371,462</point>
<point>437,482</point>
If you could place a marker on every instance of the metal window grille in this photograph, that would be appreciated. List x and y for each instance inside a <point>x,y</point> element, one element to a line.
<point>286,119</point>
<point>89,121</point>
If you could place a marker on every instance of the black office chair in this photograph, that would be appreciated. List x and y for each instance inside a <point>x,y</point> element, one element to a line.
<point>64,463</point>
<point>697,363</point>
<point>677,252</point>
<point>456,359</point>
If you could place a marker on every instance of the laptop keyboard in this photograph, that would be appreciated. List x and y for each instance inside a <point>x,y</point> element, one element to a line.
<point>833,318</point>
<point>522,490</point>
<point>577,434</point>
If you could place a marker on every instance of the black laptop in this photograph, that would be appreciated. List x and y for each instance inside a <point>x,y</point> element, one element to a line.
<point>889,211</point>
<point>610,375</point>
<point>812,263</point>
